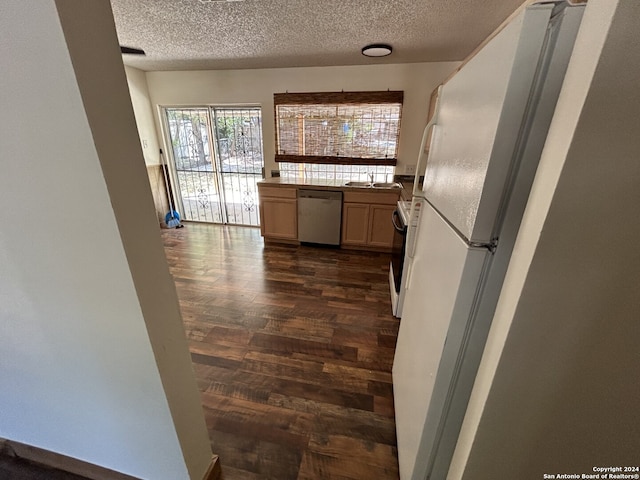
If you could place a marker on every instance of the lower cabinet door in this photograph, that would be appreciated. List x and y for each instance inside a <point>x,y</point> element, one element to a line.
<point>355,223</point>
<point>279,218</point>
<point>380,233</point>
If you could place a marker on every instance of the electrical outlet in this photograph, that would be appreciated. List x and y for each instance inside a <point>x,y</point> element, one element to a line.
<point>410,169</point>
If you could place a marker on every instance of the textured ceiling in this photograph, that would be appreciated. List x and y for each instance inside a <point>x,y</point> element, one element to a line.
<point>197,35</point>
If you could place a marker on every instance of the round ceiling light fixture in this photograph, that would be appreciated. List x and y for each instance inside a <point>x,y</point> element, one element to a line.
<point>377,50</point>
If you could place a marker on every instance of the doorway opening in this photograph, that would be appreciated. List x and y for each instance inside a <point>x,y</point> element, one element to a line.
<point>216,159</point>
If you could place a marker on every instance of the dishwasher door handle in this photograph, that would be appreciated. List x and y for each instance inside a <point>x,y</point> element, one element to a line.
<point>317,197</point>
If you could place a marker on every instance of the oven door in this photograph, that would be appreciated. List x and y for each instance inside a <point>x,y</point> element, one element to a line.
<point>399,245</point>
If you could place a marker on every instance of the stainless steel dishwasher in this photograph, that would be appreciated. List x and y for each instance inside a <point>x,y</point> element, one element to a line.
<point>319,216</point>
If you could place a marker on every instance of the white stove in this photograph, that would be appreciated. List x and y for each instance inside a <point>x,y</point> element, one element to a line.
<point>404,225</point>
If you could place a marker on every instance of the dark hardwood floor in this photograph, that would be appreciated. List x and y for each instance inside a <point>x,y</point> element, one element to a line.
<point>13,468</point>
<point>292,349</point>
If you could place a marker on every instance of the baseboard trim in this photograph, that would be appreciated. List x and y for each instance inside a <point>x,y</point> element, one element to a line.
<point>58,461</point>
<point>214,472</point>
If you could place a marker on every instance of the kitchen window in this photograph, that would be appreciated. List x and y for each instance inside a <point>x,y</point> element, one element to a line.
<point>338,135</point>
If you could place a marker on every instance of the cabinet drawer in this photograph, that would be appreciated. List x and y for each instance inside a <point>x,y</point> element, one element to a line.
<point>278,192</point>
<point>380,198</point>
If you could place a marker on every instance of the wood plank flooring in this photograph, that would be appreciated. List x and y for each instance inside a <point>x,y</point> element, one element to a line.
<point>292,350</point>
<point>12,468</point>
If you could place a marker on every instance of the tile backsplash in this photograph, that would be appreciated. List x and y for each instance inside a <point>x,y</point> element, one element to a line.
<point>313,171</point>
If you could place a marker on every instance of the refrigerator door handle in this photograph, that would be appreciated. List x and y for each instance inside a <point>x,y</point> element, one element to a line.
<point>409,276</point>
<point>411,244</point>
<point>412,226</point>
<point>417,188</point>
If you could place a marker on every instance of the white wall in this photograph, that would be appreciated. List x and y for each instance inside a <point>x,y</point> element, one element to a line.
<point>557,390</point>
<point>87,313</point>
<point>256,87</point>
<point>137,81</point>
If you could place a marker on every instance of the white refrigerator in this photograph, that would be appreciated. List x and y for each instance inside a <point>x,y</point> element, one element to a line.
<point>489,129</point>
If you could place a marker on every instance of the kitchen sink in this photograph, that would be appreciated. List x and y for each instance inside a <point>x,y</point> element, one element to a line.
<point>374,185</point>
<point>358,184</point>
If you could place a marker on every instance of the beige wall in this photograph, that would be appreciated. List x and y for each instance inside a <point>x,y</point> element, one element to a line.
<point>93,359</point>
<point>256,87</point>
<point>557,390</point>
<point>139,91</point>
<point>145,121</point>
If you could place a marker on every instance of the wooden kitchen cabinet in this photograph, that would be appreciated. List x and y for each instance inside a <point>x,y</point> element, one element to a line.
<point>355,223</point>
<point>380,232</point>
<point>366,220</point>
<point>278,213</point>
<point>366,216</point>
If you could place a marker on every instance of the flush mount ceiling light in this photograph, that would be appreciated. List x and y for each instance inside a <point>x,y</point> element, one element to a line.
<point>377,50</point>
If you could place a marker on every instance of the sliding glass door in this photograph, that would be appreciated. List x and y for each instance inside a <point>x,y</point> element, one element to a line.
<point>216,157</point>
<point>238,133</point>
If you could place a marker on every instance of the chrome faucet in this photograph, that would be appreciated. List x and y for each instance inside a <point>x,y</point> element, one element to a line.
<point>371,177</point>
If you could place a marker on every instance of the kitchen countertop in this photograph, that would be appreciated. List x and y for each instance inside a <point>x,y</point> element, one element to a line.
<point>407,190</point>
<point>323,184</point>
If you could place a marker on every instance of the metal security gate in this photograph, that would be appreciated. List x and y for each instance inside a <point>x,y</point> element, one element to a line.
<point>216,156</point>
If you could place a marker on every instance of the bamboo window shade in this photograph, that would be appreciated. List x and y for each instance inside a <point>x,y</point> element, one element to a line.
<point>354,128</point>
